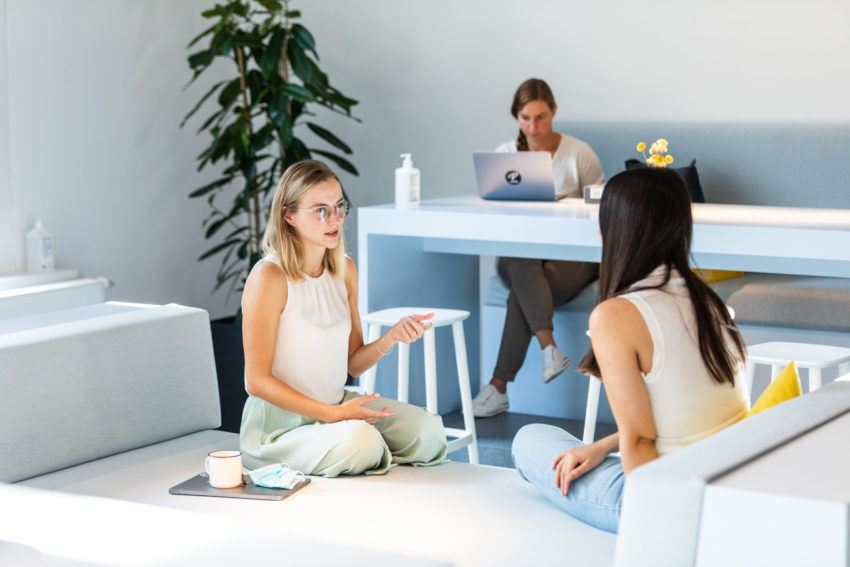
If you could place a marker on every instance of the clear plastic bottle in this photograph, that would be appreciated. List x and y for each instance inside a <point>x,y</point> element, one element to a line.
<point>39,244</point>
<point>406,182</point>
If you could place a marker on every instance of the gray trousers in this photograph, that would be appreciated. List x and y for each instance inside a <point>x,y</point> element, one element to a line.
<point>537,286</point>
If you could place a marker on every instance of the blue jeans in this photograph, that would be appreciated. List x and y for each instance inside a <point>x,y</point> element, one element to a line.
<point>594,498</point>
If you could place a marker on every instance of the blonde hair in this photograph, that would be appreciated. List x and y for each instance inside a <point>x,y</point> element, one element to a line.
<point>280,240</point>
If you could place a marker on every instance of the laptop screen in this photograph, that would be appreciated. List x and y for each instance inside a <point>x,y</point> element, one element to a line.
<point>519,176</point>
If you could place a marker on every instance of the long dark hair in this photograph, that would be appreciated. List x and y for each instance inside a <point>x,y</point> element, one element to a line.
<point>645,221</point>
<point>529,91</point>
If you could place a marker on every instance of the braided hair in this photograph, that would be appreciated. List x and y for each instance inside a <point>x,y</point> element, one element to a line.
<point>529,91</point>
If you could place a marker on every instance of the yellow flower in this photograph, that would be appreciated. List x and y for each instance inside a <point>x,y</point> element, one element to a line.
<point>656,156</point>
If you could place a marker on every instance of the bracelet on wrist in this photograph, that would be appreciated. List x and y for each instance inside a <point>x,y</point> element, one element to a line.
<point>381,352</point>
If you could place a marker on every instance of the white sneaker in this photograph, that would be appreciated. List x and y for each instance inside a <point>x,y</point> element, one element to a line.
<point>554,362</point>
<point>489,402</point>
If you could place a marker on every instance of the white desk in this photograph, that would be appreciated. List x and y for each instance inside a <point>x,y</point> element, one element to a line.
<point>427,254</point>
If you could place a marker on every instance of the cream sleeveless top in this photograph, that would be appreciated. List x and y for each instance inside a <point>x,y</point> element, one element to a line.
<point>687,403</point>
<point>311,353</point>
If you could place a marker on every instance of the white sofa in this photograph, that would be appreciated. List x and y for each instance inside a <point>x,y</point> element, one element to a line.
<point>103,408</point>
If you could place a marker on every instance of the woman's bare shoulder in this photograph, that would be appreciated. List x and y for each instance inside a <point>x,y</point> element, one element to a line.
<point>614,315</point>
<point>266,281</point>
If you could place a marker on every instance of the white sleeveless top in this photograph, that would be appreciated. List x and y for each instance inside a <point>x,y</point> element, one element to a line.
<point>687,403</point>
<point>311,354</point>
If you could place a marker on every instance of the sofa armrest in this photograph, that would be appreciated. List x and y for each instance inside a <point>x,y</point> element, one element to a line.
<point>663,500</point>
<point>95,386</point>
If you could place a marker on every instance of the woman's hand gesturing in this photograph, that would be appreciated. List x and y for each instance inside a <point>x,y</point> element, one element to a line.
<point>355,409</point>
<point>410,328</point>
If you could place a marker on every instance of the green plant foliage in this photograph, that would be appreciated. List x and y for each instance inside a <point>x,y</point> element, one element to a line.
<point>255,119</point>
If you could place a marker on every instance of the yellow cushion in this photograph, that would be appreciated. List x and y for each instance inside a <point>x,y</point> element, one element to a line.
<point>709,276</point>
<point>785,387</point>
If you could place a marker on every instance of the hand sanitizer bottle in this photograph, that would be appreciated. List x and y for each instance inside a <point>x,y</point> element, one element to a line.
<point>39,248</point>
<point>406,182</point>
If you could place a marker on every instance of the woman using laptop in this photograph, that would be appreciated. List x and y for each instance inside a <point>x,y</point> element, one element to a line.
<point>537,286</point>
<point>663,343</point>
<point>302,336</point>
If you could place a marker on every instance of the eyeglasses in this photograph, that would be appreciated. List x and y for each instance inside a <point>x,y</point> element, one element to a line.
<point>323,214</point>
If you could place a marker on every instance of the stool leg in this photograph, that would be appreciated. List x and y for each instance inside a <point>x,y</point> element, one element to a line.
<point>430,371</point>
<point>593,389</point>
<point>751,371</point>
<point>403,371</point>
<point>367,380</point>
<point>814,379</point>
<point>465,390</point>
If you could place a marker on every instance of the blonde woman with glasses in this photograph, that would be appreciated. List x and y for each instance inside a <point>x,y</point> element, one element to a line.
<point>302,336</point>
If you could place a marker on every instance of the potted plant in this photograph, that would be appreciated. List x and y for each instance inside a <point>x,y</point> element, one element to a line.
<point>254,125</point>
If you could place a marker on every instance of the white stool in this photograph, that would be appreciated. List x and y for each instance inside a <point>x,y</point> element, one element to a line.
<point>465,437</point>
<point>812,357</point>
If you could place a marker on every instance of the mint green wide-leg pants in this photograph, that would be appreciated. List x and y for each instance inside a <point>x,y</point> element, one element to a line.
<point>412,436</point>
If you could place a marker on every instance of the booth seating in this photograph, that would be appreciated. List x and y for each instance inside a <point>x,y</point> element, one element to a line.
<point>103,408</point>
<point>768,307</point>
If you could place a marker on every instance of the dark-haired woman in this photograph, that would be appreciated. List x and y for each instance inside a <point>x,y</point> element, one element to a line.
<point>662,342</point>
<point>537,286</point>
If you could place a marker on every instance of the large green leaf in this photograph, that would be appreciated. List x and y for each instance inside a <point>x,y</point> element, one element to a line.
<point>328,136</point>
<point>271,5</point>
<point>299,60</point>
<point>271,54</point>
<point>216,225</point>
<point>201,59</point>
<point>230,93</point>
<point>304,38</point>
<point>298,92</point>
<point>218,248</point>
<point>343,163</point>
<point>203,34</point>
<point>201,191</point>
<point>207,95</point>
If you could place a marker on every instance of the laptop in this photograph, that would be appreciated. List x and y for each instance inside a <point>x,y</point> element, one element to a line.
<point>517,176</point>
<point>199,486</point>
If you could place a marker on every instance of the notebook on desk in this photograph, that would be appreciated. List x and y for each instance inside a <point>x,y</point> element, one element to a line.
<point>515,176</point>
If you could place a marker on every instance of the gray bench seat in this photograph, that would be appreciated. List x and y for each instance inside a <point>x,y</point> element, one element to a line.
<point>765,300</point>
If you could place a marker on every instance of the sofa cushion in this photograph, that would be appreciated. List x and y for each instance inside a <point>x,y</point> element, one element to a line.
<point>795,302</point>
<point>80,390</point>
<point>496,293</point>
<point>783,388</point>
<point>770,300</point>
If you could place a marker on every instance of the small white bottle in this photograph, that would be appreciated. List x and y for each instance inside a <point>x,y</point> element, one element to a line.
<point>39,248</point>
<point>406,182</point>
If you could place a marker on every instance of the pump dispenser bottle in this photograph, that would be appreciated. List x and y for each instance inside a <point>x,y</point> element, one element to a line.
<point>406,182</point>
<point>39,248</point>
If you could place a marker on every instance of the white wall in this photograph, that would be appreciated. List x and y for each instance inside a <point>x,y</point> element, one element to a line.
<point>9,243</point>
<point>95,99</point>
<point>92,93</point>
<point>436,78</point>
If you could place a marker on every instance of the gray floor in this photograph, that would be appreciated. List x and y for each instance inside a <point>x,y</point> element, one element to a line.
<point>496,433</point>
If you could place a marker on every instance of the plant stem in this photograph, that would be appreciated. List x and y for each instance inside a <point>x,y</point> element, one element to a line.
<point>254,235</point>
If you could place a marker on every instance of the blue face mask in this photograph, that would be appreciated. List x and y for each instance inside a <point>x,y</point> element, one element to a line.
<point>278,475</point>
